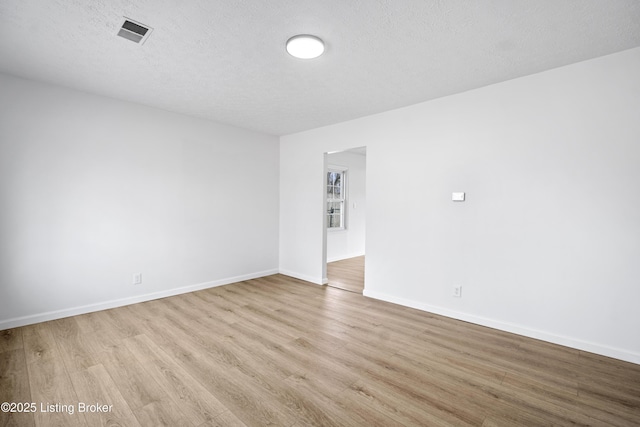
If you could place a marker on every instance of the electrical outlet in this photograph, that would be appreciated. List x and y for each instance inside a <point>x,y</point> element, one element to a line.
<point>457,291</point>
<point>137,279</point>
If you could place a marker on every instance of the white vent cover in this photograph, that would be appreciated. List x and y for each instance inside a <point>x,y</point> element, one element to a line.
<point>134,31</point>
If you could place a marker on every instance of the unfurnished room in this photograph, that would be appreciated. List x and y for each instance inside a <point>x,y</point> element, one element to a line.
<point>319,213</point>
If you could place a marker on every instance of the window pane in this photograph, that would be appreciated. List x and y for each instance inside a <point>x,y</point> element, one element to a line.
<point>334,221</point>
<point>335,199</point>
<point>332,177</point>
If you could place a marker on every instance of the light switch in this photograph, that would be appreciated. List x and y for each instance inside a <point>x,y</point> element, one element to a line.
<point>457,197</point>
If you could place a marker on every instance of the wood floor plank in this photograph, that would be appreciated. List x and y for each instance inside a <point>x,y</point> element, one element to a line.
<point>443,393</point>
<point>74,352</point>
<point>200,318</point>
<point>514,417</point>
<point>483,391</point>
<point>163,413</point>
<point>10,339</point>
<point>342,410</point>
<point>267,370</point>
<point>279,351</point>
<point>98,333</point>
<point>533,403</point>
<point>90,323</point>
<point>14,388</point>
<point>385,400</point>
<point>94,386</point>
<point>14,380</point>
<point>226,419</point>
<point>592,409</point>
<point>129,376</point>
<point>459,364</point>
<point>122,321</point>
<point>49,380</point>
<point>215,308</point>
<point>502,359</point>
<point>319,363</point>
<point>220,376</point>
<point>220,307</point>
<point>199,405</point>
<point>39,343</point>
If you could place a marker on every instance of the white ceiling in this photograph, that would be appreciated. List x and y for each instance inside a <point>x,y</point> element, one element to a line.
<point>225,60</point>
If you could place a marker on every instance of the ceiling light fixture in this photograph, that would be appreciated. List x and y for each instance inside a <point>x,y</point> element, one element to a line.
<point>305,46</point>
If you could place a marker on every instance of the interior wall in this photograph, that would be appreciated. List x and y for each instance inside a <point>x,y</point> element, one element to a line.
<point>548,241</point>
<point>94,190</point>
<point>349,243</point>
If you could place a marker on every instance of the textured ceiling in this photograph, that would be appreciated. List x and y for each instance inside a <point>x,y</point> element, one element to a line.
<point>225,60</point>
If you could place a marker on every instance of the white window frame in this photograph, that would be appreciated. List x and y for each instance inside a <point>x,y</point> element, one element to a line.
<point>342,199</point>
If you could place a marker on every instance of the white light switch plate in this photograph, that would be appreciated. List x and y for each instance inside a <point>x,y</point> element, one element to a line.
<point>457,197</point>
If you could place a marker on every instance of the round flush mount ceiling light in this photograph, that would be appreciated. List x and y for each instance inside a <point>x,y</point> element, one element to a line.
<point>305,46</point>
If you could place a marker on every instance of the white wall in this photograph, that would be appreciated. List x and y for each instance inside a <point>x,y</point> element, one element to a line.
<point>547,243</point>
<point>93,190</point>
<point>349,243</point>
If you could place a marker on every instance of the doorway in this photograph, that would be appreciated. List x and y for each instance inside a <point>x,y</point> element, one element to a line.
<point>345,218</point>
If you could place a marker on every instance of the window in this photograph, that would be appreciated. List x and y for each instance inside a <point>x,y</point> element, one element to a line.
<point>336,198</point>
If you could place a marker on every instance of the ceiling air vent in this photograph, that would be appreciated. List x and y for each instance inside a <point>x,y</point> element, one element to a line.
<point>134,31</point>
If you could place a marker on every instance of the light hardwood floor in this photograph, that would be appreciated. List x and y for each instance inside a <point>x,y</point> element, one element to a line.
<point>277,351</point>
<point>347,274</point>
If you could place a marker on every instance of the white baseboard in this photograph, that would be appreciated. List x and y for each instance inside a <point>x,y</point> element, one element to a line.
<point>314,280</point>
<point>603,350</point>
<point>89,308</point>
